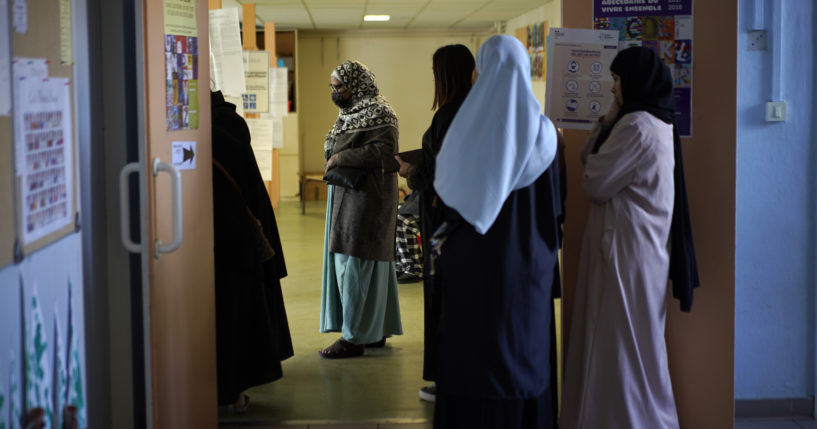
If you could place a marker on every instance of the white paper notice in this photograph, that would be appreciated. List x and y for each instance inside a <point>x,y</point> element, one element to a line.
<point>278,103</point>
<point>43,140</point>
<point>278,133</point>
<point>256,76</point>
<point>20,16</point>
<point>5,60</point>
<point>226,52</point>
<point>260,133</point>
<point>184,155</point>
<point>264,159</point>
<point>29,68</point>
<point>578,78</point>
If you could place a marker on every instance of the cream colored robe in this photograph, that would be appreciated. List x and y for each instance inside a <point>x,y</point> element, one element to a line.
<point>616,373</point>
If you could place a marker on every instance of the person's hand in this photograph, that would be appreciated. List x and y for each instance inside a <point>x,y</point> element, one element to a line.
<point>405,167</point>
<point>611,115</point>
<point>332,162</point>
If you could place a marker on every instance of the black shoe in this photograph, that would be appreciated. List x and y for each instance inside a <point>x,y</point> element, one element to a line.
<point>407,278</point>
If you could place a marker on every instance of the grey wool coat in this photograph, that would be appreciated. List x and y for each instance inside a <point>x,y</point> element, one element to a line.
<point>364,220</point>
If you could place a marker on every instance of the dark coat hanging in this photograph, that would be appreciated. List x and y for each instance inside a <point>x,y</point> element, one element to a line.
<point>252,332</point>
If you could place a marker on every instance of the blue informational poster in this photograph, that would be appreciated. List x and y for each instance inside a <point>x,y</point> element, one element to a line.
<point>664,26</point>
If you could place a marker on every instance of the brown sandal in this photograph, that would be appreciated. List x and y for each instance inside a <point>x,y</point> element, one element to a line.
<point>377,344</point>
<point>342,349</point>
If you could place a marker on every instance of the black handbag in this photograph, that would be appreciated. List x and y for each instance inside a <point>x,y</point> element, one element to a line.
<point>348,177</point>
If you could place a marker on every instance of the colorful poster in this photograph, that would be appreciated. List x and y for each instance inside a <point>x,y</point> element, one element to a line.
<point>665,26</point>
<point>182,92</point>
<point>180,17</point>
<point>44,155</point>
<point>256,75</point>
<point>536,50</point>
<point>579,80</point>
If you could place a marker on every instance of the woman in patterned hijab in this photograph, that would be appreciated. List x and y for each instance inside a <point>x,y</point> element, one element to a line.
<point>359,297</point>
<point>361,105</point>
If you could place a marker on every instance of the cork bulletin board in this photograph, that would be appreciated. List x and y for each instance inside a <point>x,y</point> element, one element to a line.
<point>38,177</point>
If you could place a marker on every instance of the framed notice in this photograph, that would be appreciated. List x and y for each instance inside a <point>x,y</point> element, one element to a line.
<point>578,78</point>
<point>664,26</point>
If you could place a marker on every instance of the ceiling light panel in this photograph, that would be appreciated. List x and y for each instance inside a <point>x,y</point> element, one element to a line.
<point>284,16</point>
<point>336,4</point>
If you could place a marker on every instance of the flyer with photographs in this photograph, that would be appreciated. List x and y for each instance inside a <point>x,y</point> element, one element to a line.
<point>45,162</point>
<point>665,26</point>
<point>182,63</point>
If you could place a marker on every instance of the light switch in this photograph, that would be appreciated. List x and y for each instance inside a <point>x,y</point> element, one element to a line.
<point>776,111</point>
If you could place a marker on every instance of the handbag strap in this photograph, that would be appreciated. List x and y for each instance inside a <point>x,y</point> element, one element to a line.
<point>231,180</point>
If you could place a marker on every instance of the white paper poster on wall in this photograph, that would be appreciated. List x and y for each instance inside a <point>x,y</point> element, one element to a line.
<point>226,53</point>
<point>279,86</point>
<point>261,132</point>
<point>184,155</point>
<point>578,78</point>
<point>44,148</point>
<point>41,312</point>
<point>20,10</point>
<point>278,133</point>
<point>256,76</point>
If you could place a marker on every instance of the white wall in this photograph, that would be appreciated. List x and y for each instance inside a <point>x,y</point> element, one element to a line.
<point>775,228</point>
<point>402,66</point>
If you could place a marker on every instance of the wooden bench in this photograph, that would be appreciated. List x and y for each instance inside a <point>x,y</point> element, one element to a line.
<point>308,177</point>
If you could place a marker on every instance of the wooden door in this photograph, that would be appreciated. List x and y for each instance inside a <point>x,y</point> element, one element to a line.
<point>182,351</point>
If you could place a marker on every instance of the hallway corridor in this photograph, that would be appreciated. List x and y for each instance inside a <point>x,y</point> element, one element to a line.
<point>376,391</point>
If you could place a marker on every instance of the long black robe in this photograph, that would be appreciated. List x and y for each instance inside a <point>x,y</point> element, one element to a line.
<point>431,216</point>
<point>497,329</point>
<point>252,332</point>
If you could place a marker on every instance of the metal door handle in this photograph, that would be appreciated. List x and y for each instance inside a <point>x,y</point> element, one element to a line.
<point>176,182</point>
<point>124,208</point>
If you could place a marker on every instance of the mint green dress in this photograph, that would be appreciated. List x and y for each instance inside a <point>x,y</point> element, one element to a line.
<point>359,296</point>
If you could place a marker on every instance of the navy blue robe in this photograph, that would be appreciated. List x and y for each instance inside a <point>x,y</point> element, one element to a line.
<point>497,314</point>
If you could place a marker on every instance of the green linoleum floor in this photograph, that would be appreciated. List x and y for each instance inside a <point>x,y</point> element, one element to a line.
<point>380,387</point>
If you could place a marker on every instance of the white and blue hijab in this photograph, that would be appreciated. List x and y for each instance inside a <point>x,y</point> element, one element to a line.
<point>499,141</point>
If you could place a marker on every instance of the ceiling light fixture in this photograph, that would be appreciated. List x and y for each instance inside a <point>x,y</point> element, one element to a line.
<point>376,17</point>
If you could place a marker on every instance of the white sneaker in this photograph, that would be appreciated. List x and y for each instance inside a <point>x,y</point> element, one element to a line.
<point>428,393</point>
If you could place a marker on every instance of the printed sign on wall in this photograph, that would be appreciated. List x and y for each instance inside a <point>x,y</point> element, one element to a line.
<point>579,80</point>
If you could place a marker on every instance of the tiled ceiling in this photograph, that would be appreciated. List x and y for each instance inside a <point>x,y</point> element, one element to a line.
<point>466,15</point>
